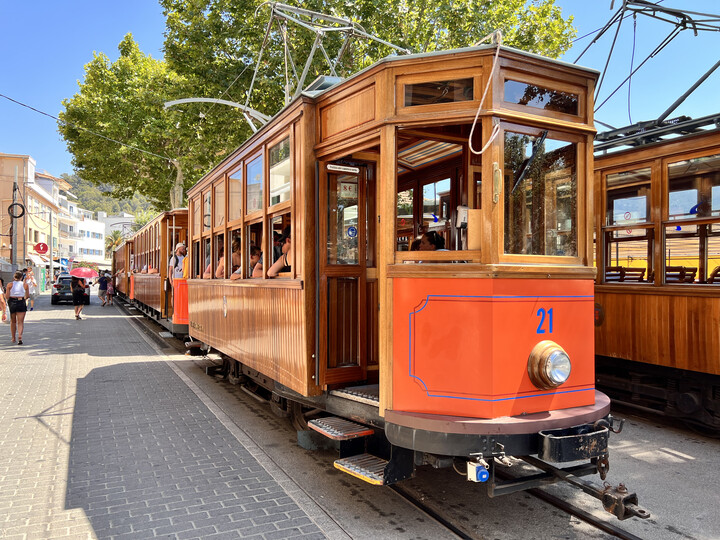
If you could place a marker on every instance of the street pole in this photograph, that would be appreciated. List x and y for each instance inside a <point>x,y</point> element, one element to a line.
<point>13,226</point>
<point>50,274</point>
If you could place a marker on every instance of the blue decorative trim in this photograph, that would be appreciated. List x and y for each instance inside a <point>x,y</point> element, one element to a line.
<point>490,298</point>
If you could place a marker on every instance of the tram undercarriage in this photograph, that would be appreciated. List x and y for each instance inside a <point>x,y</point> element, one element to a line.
<point>506,454</point>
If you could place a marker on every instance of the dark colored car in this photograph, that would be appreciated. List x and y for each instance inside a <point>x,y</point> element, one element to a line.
<point>62,290</point>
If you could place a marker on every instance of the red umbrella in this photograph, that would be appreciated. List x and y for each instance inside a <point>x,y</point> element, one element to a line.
<point>83,272</point>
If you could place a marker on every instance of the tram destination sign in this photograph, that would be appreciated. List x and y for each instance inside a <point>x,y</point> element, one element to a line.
<point>343,168</point>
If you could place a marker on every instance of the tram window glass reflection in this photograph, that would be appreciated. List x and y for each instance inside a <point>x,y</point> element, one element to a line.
<point>432,93</point>
<point>196,213</point>
<point>540,195</point>
<point>219,194</point>
<point>629,255</point>
<point>280,185</point>
<point>343,226</point>
<point>255,185</point>
<point>533,95</point>
<point>235,195</point>
<point>436,208</point>
<point>694,188</point>
<point>628,197</point>
<point>405,219</point>
<point>218,256</point>
<point>207,211</point>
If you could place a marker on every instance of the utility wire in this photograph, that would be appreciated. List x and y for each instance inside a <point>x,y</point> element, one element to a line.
<point>85,129</point>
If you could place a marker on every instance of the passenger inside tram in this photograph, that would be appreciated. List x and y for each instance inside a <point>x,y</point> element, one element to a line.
<point>283,264</point>
<point>255,256</point>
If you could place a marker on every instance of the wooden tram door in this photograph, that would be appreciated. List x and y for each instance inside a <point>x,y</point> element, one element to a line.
<point>348,285</point>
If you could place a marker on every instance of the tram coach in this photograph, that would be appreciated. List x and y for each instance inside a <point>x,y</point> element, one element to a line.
<point>140,266</point>
<point>658,314</point>
<point>480,350</point>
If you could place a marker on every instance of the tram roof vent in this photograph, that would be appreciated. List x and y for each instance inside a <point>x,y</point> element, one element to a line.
<point>323,82</point>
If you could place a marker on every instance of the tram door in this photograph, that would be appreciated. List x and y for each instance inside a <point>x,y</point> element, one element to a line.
<point>348,286</point>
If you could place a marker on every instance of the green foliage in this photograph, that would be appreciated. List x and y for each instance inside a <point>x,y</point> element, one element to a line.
<point>211,48</point>
<point>113,240</point>
<point>142,219</point>
<point>217,41</point>
<point>102,198</point>
<point>123,100</point>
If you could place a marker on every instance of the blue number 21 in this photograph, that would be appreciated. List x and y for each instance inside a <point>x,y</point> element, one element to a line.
<point>542,313</point>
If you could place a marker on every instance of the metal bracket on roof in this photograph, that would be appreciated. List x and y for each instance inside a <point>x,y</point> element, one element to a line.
<point>321,25</point>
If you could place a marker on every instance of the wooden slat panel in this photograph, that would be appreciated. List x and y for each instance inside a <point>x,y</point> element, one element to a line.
<point>667,330</point>
<point>371,337</point>
<point>353,111</point>
<point>148,288</point>
<point>262,327</point>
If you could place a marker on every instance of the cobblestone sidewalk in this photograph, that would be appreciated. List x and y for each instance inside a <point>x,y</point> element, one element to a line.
<point>100,438</point>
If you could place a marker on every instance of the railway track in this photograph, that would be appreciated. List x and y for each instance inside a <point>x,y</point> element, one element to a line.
<point>444,519</point>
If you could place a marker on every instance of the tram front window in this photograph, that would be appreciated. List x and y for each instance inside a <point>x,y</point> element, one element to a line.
<point>540,195</point>
<point>343,231</point>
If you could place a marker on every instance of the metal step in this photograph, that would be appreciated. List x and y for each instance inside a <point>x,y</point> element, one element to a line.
<point>365,467</point>
<point>339,429</point>
<point>369,394</point>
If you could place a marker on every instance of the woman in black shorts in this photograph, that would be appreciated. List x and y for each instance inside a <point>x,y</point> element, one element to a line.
<point>17,295</point>
<point>78,291</point>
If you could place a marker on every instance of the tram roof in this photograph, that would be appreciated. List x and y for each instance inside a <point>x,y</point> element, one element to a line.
<point>324,83</point>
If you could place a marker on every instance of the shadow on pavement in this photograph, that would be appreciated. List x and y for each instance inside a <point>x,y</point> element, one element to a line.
<point>147,458</point>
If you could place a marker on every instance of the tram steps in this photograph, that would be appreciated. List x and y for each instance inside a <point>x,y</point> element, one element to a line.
<point>365,467</point>
<point>339,429</point>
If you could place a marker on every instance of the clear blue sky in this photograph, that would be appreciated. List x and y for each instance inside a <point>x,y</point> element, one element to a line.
<point>44,45</point>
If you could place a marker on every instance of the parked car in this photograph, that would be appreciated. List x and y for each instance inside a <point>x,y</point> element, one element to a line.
<point>62,291</point>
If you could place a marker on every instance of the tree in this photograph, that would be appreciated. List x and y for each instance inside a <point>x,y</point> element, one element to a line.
<point>123,101</point>
<point>217,41</point>
<point>113,240</point>
<point>141,219</point>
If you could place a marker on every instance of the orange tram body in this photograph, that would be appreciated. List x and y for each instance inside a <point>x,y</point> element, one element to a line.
<point>304,278</point>
<point>658,284</point>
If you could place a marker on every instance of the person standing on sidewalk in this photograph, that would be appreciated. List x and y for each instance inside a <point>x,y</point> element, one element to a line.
<point>17,295</point>
<point>78,291</point>
<point>32,286</point>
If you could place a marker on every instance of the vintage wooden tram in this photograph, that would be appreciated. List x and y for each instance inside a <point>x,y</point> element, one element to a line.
<point>478,351</point>
<point>658,289</point>
<point>140,267</point>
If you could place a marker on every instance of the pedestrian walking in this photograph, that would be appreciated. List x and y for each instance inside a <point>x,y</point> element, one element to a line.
<point>32,286</point>
<point>102,288</point>
<point>17,300</point>
<point>78,291</point>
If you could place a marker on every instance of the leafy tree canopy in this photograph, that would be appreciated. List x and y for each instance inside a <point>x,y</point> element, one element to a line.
<point>211,47</point>
<point>218,41</point>
<point>123,100</point>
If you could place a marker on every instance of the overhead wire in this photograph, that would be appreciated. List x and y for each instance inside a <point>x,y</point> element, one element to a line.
<point>632,61</point>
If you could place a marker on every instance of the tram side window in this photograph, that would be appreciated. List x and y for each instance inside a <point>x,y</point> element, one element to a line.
<point>343,226</point>
<point>236,250</point>
<point>217,268</point>
<point>540,195</point>
<point>207,212</point>
<point>280,184</point>
<point>254,241</point>
<point>207,256</point>
<point>196,258</point>
<point>692,248</point>
<point>219,194</point>
<point>235,195</point>
<point>629,238</point>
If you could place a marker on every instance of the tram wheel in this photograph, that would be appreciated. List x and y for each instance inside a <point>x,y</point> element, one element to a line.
<point>300,415</point>
<point>279,406</point>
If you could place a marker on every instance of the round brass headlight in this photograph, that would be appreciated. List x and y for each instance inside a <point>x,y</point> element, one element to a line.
<point>549,365</point>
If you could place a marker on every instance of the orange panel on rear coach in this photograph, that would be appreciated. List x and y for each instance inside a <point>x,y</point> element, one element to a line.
<point>461,346</point>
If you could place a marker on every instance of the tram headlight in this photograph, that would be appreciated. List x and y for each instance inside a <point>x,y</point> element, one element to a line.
<point>549,365</point>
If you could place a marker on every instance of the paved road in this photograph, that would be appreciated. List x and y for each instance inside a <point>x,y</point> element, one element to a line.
<point>100,436</point>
